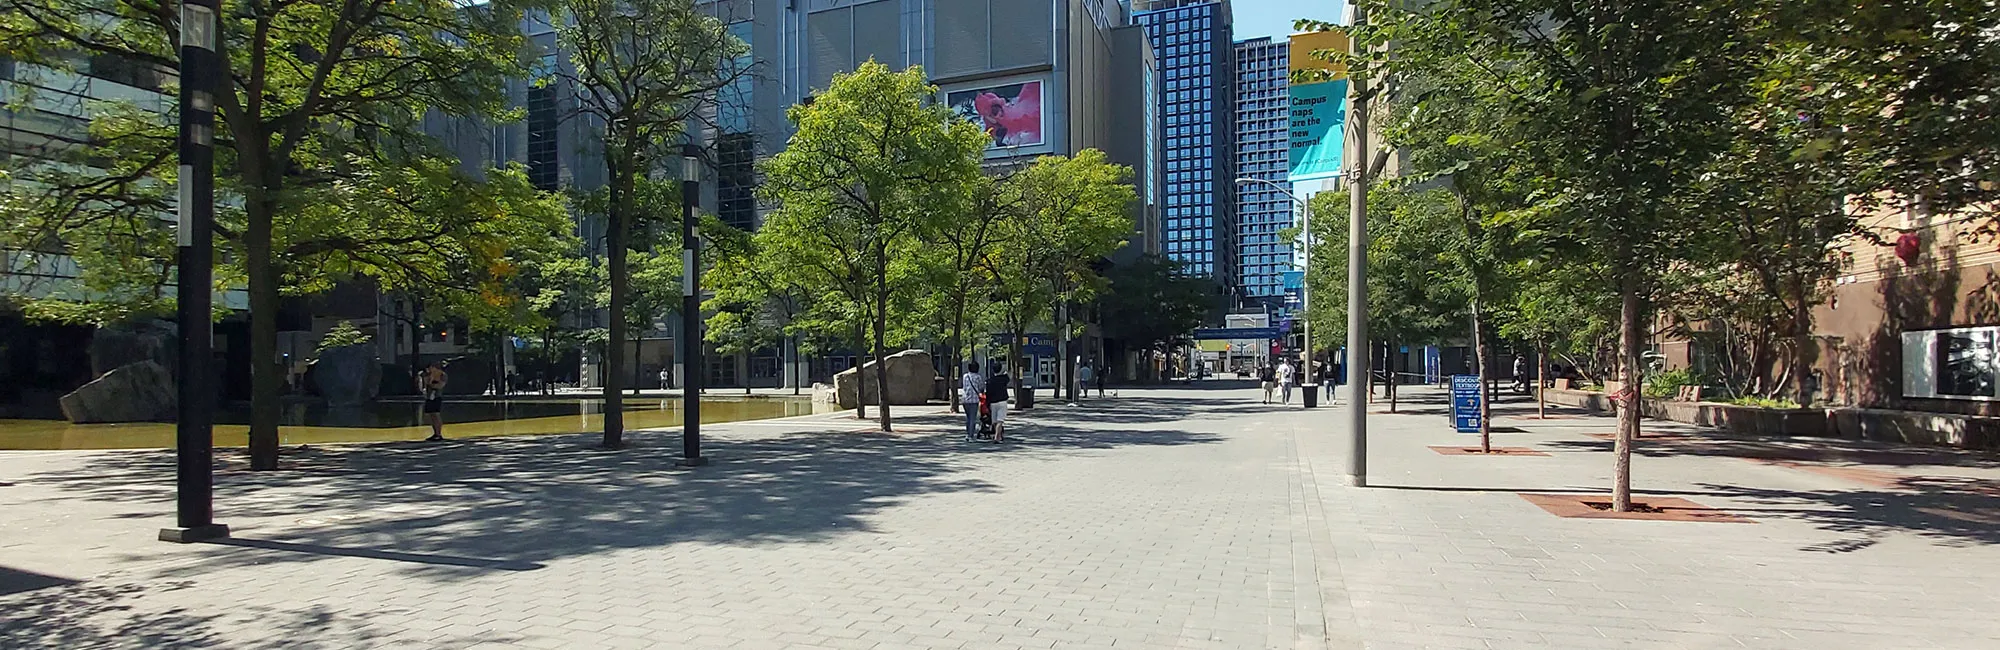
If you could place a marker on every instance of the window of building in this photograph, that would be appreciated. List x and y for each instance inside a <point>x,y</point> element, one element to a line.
<point>543,166</point>
<point>1962,363</point>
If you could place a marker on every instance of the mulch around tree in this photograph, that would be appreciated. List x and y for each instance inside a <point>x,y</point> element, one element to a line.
<point>1462,450</point>
<point>1650,508</point>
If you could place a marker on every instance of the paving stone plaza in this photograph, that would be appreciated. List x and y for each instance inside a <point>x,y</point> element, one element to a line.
<point>1168,518</point>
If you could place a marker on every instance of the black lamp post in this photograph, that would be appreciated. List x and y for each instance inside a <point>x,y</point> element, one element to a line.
<point>691,308</point>
<point>194,440</point>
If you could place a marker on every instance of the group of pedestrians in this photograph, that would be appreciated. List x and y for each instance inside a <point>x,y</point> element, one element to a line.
<point>1282,378</point>
<point>985,400</point>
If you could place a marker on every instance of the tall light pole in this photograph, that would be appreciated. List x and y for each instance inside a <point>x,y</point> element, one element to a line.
<point>1305,293</point>
<point>691,362</point>
<point>1357,277</point>
<point>194,431</point>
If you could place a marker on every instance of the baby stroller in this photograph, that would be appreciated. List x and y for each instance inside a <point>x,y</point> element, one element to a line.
<point>985,419</point>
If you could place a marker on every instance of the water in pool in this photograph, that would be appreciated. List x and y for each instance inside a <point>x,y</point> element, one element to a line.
<point>401,420</point>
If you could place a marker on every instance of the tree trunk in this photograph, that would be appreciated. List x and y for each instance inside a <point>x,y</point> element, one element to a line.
<point>1804,351</point>
<point>1631,330</point>
<point>1485,405</point>
<point>881,357</point>
<point>957,348</point>
<point>1541,381</point>
<point>616,236</point>
<point>861,367</point>
<point>1013,364</point>
<point>266,377</point>
<point>1389,364</point>
<point>1065,371</point>
<point>416,337</point>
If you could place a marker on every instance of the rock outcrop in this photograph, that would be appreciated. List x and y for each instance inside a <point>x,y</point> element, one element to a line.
<point>912,380</point>
<point>347,375</point>
<point>138,392</point>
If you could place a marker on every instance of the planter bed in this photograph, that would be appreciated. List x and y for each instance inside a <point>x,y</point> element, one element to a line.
<point>1884,425</point>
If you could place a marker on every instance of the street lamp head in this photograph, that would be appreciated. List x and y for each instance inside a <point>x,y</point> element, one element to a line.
<point>690,163</point>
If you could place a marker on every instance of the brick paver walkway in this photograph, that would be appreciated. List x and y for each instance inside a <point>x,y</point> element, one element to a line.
<point>1160,519</point>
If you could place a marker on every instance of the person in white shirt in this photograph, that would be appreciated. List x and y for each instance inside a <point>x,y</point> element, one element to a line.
<point>970,387</point>
<point>1285,379</point>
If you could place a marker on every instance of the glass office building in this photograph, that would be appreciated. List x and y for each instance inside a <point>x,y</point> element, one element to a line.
<point>1262,114</point>
<point>1196,54</point>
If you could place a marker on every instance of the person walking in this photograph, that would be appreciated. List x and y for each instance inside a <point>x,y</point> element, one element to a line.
<point>1268,378</point>
<point>1100,382</point>
<point>1085,376</point>
<point>970,386</point>
<point>666,377</point>
<point>997,394</point>
<point>1520,373</point>
<point>1285,380</point>
<point>431,383</point>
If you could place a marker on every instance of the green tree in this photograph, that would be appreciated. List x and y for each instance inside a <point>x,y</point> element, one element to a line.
<point>317,101</point>
<point>1151,306</point>
<point>857,188</point>
<point>642,69</point>
<point>1907,83</point>
<point>755,302</point>
<point>1779,208</point>
<point>1607,100</point>
<point>958,261</point>
<point>1074,211</point>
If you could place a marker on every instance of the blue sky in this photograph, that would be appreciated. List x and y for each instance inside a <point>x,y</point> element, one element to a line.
<point>1256,18</point>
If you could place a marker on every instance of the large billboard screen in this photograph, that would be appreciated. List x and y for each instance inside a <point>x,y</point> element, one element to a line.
<point>1011,114</point>
<point>1318,122</point>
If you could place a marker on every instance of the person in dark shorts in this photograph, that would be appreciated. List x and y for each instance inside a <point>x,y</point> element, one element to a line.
<point>996,400</point>
<point>431,382</point>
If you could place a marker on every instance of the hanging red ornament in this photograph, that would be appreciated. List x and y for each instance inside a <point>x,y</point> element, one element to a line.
<point>1908,246</point>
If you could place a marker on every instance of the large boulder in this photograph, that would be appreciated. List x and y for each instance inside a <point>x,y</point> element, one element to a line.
<point>116,346</point>
<point>139,392</point>
<point>347,375</point>
<point>912,381</point>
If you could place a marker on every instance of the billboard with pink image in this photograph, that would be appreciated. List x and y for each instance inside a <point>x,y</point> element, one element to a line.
<point>1011,114</point>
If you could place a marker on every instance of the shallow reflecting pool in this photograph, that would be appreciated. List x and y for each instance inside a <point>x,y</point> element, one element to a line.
<point>385,421</point>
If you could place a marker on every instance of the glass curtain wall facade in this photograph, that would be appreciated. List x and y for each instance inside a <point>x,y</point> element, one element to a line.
<point>1262,118</point>
<point>735,146</point>
<point>1192,41</point>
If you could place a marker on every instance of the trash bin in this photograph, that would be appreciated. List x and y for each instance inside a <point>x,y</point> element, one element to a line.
<point>1311,392</point>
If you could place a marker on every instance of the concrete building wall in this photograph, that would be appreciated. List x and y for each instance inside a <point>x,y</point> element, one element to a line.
<point>1136,142</point>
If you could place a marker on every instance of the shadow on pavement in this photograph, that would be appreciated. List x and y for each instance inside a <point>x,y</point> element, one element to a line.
<point>1144,410</point>
<point>103,616</point>
<point>464,507</point>
<point>16,581</point>
<point>1689,441</point>
<point>320,549</point>
<point>455,510</point>
<point>1888,494</point>
<point>1948,516</point>
<point>1564,490</point>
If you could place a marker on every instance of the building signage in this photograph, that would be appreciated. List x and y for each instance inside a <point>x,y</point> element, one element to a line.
<point>1318,124</point>
<point>1011,114</point>
<point>1233,333</point>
